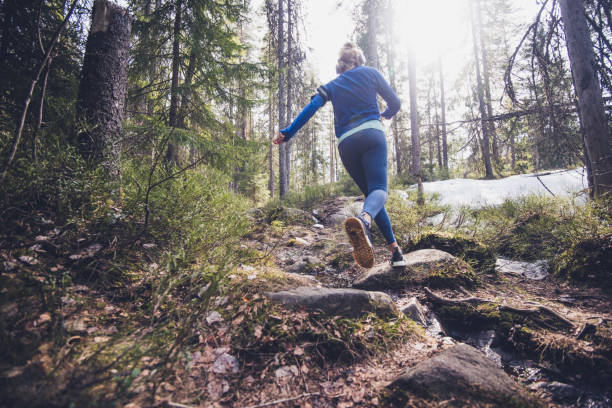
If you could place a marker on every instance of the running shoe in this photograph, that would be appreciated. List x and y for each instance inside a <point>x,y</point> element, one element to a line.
<point>358,233</point>
<point>397,259</point>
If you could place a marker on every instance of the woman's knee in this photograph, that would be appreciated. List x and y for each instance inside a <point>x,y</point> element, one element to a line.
<point>380,194</point>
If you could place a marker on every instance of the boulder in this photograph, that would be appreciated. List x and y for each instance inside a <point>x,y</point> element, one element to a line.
<point>461,374</point>
<point>479,256</point>
<point>336,302</point>
<point>429,267</point>
<point>413,310</point>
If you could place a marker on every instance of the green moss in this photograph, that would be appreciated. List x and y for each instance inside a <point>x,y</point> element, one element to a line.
<point>452,275</point>
<point>589,261</point>
<point>268,328</point>
<point>479,256</point>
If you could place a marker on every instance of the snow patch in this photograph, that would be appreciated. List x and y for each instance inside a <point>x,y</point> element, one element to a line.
<point>478,193</point>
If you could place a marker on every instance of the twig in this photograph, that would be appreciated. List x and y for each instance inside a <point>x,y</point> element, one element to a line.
<point>270,403</point>
<point>178,405</point>
<point>547,189</point>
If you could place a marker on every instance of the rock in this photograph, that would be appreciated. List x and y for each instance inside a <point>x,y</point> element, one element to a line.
<point>297,241</point>
<point>337,302</point>
<point>414,311</point>
<point>429,267</point>
<point>226,363</point>
<point>304,280</point>
<point>537,270</point>
<point>313,260</point>
<point>479,256</point>
<point>461,374</point>
<point>337,218</point>
<point>213,318</point>
<point>318,226</point>
<point>560,392</point>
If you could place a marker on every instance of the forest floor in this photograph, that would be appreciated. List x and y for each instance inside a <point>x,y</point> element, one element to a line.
<point>551,340</point>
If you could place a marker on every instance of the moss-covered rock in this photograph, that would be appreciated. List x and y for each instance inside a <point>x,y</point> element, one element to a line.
<point>588,261</point>
<point>429,267</point>
<point>475,253</point>
<point>460,374</point>
<point>337,302</point>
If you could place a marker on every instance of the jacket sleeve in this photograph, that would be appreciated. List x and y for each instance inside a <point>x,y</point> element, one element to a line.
<point>387,93</point>
<point>315,103</point>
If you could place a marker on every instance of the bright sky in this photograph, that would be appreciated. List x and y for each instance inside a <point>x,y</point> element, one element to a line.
<point>432,26</point>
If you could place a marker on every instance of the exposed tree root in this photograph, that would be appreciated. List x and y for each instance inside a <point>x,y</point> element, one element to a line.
<point>534,313</point>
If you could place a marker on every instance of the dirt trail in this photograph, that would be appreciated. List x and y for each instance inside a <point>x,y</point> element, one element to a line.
<point>550,361</point>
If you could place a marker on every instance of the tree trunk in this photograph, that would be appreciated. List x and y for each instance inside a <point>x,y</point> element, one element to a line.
<point>184,100</point>
<point>289,96</point>
<point>372,51</point>
<point>487,86</point>
<point>486,154</point>
<point>103,87</point>
<point>270,129</point>
<point>414,120</point>
<point>282,168</point>
<point>590,102</point>
<point>41,107</point>
<point>414,125</point>
<point>443,119</point>
<point>172,152</point>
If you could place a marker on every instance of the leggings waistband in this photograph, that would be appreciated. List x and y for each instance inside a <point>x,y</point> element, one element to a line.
<point>370,124</point>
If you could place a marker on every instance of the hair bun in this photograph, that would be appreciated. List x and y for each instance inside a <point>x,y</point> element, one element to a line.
<point>350,57</point>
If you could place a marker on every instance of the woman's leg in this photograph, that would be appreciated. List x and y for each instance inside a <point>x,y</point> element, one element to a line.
<point>374,164</point>
<point>364,156</point>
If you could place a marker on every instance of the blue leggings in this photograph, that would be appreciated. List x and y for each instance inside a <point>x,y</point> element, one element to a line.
<point>364,155</point>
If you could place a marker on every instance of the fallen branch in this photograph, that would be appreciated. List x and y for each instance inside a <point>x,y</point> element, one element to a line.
<point>270,403</point>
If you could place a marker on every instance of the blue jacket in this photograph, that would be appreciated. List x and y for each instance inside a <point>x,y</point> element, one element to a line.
<point>353,96</point>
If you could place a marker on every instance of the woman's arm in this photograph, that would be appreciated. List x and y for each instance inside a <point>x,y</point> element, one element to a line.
<point>315,103</point>
<point>387,93</point>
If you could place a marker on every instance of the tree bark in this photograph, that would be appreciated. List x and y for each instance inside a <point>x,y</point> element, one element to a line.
<point>486,154</point>
<point>372,51</point>
<point>282,174</point>
<point>103,86</point>
<point>590,102</point>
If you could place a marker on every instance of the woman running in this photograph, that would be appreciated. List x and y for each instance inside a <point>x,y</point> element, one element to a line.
<point>361,143</point>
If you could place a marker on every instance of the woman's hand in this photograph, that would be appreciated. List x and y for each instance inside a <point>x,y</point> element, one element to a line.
<point>280,138</point>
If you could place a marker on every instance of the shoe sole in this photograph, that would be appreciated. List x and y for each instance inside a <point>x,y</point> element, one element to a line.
<point>362,250</point>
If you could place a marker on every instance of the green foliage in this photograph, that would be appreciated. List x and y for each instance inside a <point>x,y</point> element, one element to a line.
<point>588,261</point>
<point>408,218</point>
<point>538,227</point>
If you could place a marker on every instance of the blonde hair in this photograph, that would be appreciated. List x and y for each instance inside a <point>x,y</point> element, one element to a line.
<point>350,56</point>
